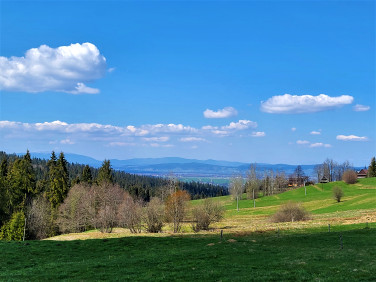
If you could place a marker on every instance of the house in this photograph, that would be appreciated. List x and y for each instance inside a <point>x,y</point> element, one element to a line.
<point>362,173</point>
<point>324,180</point>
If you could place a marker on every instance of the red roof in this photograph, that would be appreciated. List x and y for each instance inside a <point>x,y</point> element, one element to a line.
<point>363,172</point>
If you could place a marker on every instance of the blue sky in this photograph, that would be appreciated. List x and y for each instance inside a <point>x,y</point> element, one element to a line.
<point>252,81</point>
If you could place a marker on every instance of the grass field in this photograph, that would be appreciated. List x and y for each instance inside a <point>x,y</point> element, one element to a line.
<point>246,257</point>
<point>253,248</point>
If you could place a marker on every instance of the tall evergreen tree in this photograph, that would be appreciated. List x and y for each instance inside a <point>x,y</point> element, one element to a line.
<point>372,168</point>
<point>21,182</point>
<point>58,179</point>
<point>86,175</point>
<point>105,173</point>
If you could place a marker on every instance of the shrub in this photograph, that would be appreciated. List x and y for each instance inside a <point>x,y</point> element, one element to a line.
<point>153,216</point>
<point>337,193</point>
<point>205,214</point>
<point>39,223</point>
<point>290,212</point>
<point>13,229</point>
<point>350,177</point>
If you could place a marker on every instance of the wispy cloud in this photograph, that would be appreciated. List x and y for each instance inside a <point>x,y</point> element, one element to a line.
<point>351,138</point>
<point>192,139</point>
<point>361,108</point>
<point>157,139</point>
<point>293,129</point>
<point>67,142</point>
<point>313,145</point>
<point>221,113</point>
<point>315,132</point>
<point>258,134</point>
<point>294,104</point>
<point>62,69</point>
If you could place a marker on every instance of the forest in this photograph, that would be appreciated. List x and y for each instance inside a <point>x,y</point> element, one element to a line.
<point>31,185</point>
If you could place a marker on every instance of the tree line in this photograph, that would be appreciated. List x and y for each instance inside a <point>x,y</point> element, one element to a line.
<point>34,190</point>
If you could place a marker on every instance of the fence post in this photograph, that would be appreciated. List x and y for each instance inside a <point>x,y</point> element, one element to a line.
<point>221,235</point>
<point>329,227</point>
<point>341,241</point>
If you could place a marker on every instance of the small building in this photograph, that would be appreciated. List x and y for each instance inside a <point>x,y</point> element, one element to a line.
<point>362,173</point>
<point>324,180</point>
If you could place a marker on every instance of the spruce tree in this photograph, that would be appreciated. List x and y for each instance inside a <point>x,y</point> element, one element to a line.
<point>372,168</point>
<point>86,175</point>
<point>58,180</point>
<point>105,173</point>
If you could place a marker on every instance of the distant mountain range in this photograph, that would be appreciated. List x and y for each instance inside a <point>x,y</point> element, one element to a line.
<point>181,167</point>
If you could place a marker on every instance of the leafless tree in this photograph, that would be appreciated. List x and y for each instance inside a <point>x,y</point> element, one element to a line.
<point>153,216</point>
<point>130,214</point>
<point>236,189</point>
<point>39,222</point>
<point>176,208</point>
<point>253,183</point>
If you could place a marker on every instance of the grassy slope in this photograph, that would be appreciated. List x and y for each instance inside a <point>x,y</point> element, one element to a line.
<point>204,258</point>
<point>307,253</point>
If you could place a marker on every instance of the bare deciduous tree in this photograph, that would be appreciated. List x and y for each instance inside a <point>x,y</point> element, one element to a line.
<point>176,208</point>
<point>153,216</point>
<point>39,222</point>
<point>130,214</point>
<point>236,189</point>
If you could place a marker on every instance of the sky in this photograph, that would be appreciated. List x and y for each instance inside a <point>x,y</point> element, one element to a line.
<point>251,81</point>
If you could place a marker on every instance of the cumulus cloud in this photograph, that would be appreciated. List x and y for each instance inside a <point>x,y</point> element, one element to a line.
<point>293,129</point>
<point>258,134</point>
<point>222,113</point>
<point>240,125</point>
<point>351,138</point>
<point>361,108</point>
<point>294,104</point>
<point>315,133</point>
<point>62,69</point>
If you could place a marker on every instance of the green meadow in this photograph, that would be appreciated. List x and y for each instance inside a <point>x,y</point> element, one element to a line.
<point>252,248</point>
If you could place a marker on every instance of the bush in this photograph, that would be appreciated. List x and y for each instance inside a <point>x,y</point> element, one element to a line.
<point>290,212</point>
<point>153,216</point>
<point>205,214</point>
<point>337,193</point>
<point>13,229</point>
<point>39,223</point>
<point>350,177</point>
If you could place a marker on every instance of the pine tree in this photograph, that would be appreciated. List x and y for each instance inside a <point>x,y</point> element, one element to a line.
<point>105,173</point>
<point>86,175</point>
<point>372,168</point>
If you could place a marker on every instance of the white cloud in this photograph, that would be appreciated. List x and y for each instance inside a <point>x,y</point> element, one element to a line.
<point>315,145</point>
<point>351,138</point>
<point>157,139</point>
<point>222,113</point>
<point>192,139</point>
<point>67,142</point>
<point>302,142</point>
<point>158,145</point>
<point>315,133</point>
<point>240,125</point>
<point>294,104</point>
<point>361,108</point>
<point>293,129</point>
<point>62,69</point>
<point>258,134</point>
